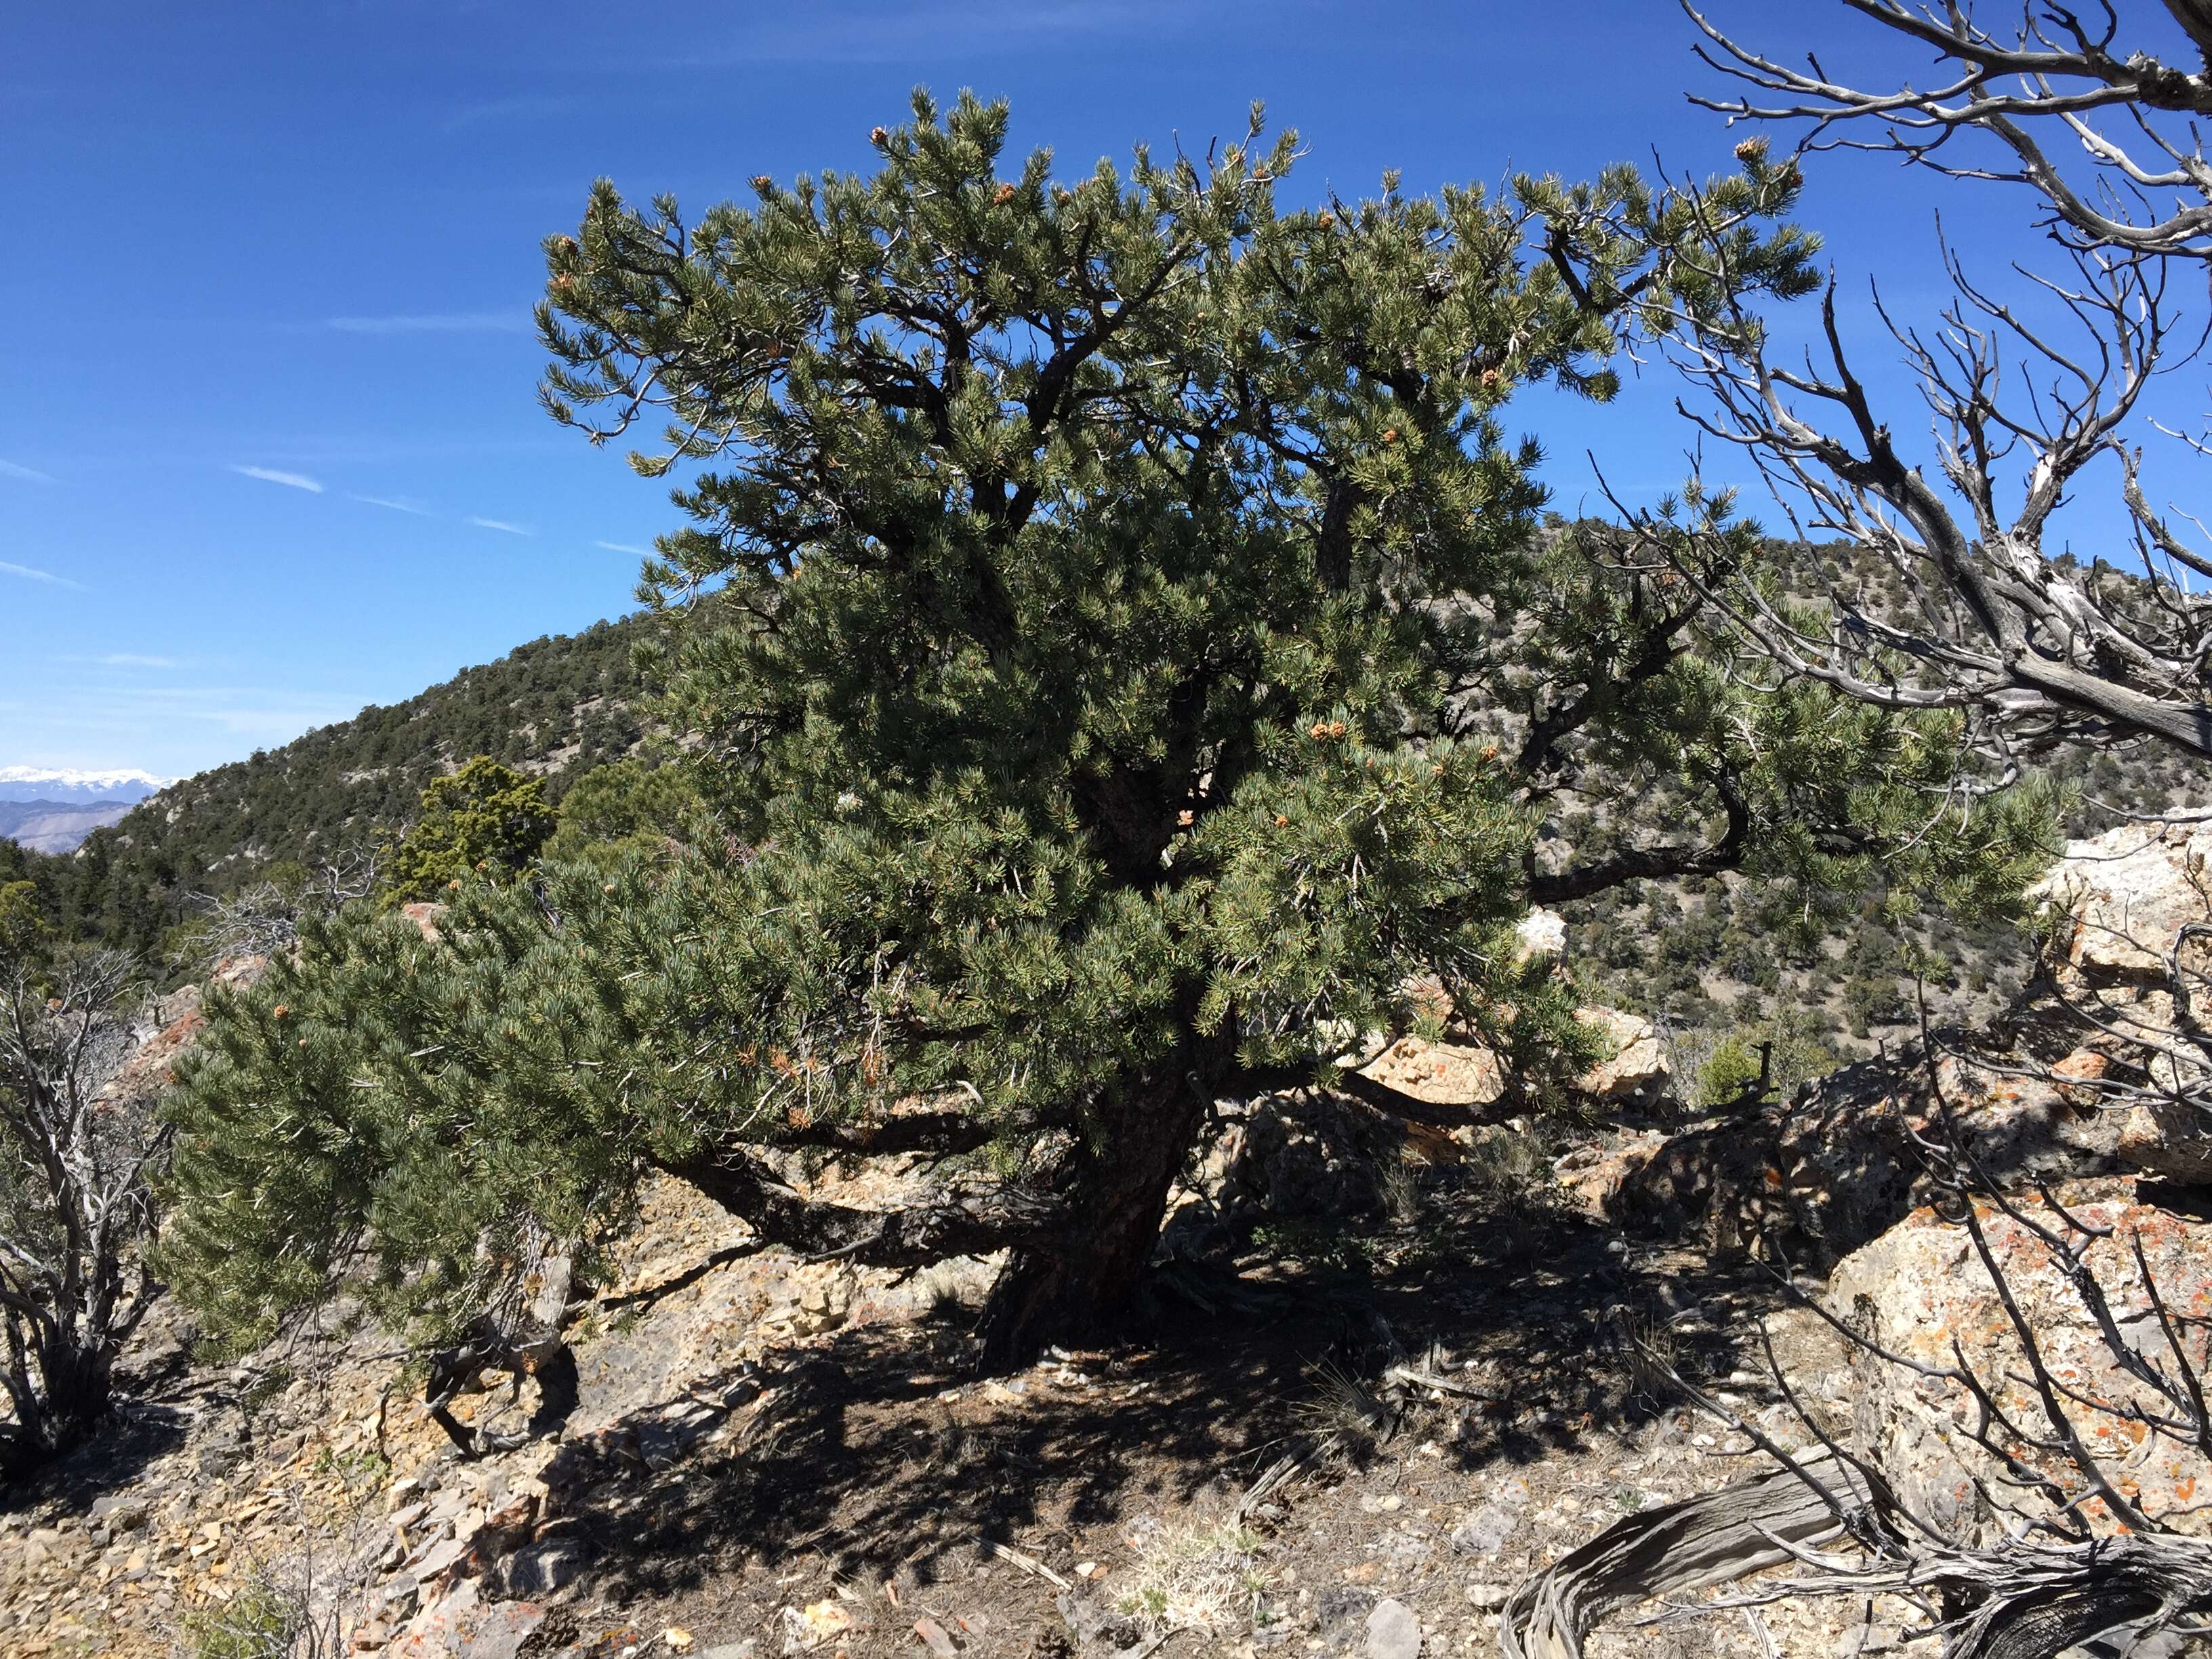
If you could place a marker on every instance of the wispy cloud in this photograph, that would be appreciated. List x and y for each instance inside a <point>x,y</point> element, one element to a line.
<point>29,474</point>
<point>290,480</point>
<point>29,574</point>
<point>893,32</point>
<point>260,713</point>
<point>499,524</point>
<point>415,507</point>
<point>624,547</point>
<point>530,107</point>
<point>444,322</point>
<point>132,659</point>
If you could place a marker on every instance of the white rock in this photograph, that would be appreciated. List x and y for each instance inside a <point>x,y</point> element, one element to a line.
<point>1541,936</point>
<point>1393,1632</point>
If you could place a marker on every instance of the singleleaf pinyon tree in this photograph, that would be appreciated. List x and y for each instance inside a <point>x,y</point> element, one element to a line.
<point>1124,668</point>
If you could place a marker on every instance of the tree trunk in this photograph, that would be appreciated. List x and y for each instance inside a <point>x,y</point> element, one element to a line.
<point>57,1409</point>
<point>1075,1278</point>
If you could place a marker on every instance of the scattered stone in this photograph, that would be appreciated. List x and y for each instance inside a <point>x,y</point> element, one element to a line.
<point>817,1624</point>
<point>1093,1619</point>
<point>544,1569</point>
<point>1337,1608</point>
<point>119,1511</point>
<point>1392,1631</point>
<point>462,1625</point>
<point>933,1637</point>
<point>1485,1532</point>
<point>398,1598</point>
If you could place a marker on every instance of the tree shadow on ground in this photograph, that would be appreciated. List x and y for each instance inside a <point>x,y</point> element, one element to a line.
<point>876,1455</point>
<point>132,1436</point>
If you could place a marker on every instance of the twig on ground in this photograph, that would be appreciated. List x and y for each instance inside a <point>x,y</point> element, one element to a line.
<point>1034,1569</point>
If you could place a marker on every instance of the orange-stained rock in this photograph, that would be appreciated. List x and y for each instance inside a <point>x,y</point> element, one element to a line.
<point>1923,1287</point>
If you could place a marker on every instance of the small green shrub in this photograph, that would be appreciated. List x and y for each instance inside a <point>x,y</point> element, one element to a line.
<point>264,1621</point>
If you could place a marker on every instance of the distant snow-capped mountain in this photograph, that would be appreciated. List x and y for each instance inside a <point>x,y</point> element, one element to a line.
<point>76,789</point>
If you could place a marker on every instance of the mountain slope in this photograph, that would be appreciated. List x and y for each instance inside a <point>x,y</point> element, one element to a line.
<point>1702,959</point>
<point>556,706</point>
<point>54,826</point>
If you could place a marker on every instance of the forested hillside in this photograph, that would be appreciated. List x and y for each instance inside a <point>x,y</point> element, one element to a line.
<point>556,706</point>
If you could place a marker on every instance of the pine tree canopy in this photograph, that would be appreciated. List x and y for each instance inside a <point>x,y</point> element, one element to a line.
<point>1128,665</point>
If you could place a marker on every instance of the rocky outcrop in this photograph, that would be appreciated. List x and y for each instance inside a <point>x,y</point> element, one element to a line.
<point>1441,1073</point>
<point>2129,916</point>
<point>2123,897</point>
<point>1923,1292</point>
<point>1635,1070</point>
<point>1299,1156</point>
<point>1842,1161</point>
<point>55,827</point>
<point>1632,1069</point>
<point>318,1461</point>
<point>2094,1071</point>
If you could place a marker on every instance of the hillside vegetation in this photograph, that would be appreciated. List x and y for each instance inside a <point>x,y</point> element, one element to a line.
<point>557,707</point>
<point>1711,955</point>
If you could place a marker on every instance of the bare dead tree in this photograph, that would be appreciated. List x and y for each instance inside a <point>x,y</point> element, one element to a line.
<point>76,1210</point>
<point>2103,129</point>
<point>264,919</point>
<point>2034,650</point>
<point>2038,395</point>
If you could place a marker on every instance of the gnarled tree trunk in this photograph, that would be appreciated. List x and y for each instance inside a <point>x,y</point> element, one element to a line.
<point>1075,1278</point>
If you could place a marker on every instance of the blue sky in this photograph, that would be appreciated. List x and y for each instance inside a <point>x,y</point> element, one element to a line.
<point>268,449</point>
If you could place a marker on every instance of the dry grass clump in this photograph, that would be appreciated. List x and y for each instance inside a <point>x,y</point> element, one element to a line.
<point>1342,1416</point>
<point>1205,1577</point>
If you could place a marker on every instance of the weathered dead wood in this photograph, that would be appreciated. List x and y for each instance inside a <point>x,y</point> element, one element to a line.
<point>1418,1376</point>
<point>2023,1602</point>
<point>1014,1558</point>
<point>1743,1528</point>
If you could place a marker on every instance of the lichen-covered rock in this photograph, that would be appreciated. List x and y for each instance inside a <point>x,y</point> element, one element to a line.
<point>2124,894</point>
<point>1923,1287</point>
<point>1635,1068</point>
<point>2129,913</point>
<point>2168,1138</point>
<point>1442,1073</point>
